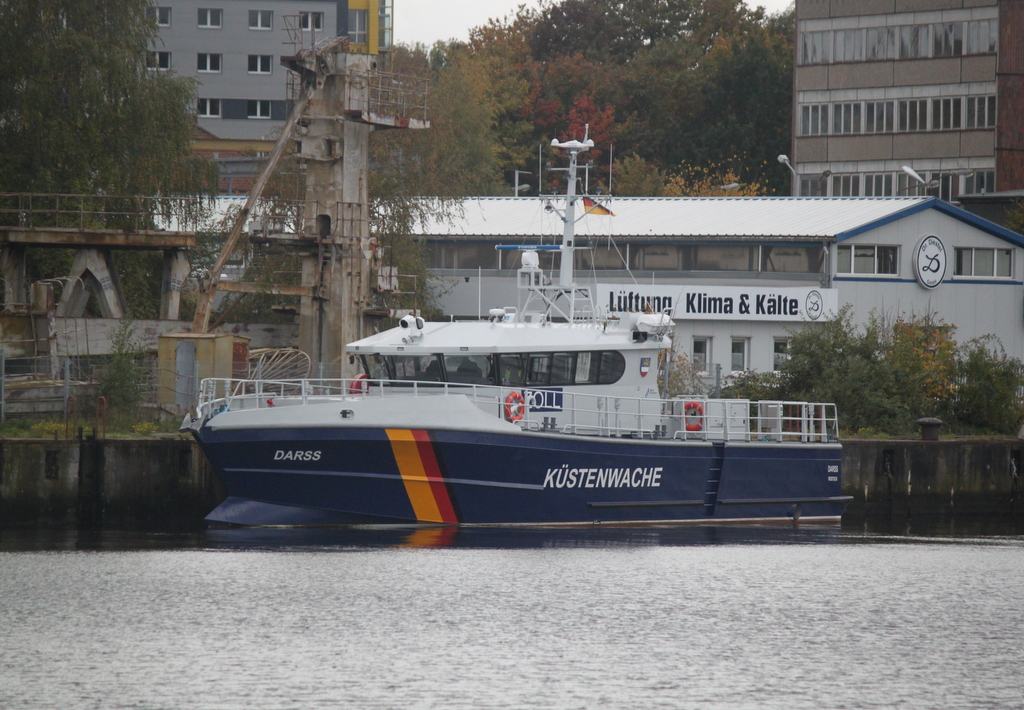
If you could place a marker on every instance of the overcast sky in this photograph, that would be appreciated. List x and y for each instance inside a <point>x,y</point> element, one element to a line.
<point>427,21</point>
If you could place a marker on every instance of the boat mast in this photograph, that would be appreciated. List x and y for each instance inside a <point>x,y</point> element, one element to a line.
<point>565,273</point>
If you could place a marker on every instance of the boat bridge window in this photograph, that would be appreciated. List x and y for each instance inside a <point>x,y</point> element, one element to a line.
<point>468,369</point>
<point>423,368</point>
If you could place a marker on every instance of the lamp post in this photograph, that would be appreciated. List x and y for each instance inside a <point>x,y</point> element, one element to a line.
<point>525,186</point>
<point>784,159</point>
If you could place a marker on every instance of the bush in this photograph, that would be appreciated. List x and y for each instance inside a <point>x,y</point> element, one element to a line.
<point>123,380</point>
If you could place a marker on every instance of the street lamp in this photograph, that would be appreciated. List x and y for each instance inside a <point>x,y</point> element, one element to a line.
<point>523,187</point>
<point>784,159</point>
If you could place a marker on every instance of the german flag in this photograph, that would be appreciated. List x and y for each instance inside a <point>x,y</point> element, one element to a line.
<point>591,207</point>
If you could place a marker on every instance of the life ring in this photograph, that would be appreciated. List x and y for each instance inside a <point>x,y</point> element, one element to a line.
<point>360,384</point>
<point>693,416</point>
<point>514,406</point>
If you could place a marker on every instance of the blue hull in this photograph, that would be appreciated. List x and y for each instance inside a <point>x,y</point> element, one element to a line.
<point>337,476</point>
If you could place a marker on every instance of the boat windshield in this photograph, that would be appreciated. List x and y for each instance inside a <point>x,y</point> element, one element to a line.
<point>468,369</point>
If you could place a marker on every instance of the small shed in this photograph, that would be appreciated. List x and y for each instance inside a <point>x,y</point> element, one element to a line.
<point>187,358</point>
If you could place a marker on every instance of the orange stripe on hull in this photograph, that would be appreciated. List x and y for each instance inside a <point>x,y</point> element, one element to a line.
<point>421,475</point>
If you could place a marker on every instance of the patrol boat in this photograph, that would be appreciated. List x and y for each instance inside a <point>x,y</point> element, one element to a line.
<point>546,413</point>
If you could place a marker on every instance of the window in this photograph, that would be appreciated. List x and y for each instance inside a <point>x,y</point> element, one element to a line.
<point>657,257</point>
<point>209,108</point>
<point>946,113</point>
<point>981,111</point>
<point>468,369</point>
<point>209,62</point>
<point>846,118</point>
<point>982,37</point>
<point>814,47</point>
<point>881,43</point>
<point>311,20</point>
<point>720,258</point>
<point>913,115</point>
<point>866,259</point>
<point>160,15</point>
<point>738,362</point>
<point>701,354</point>
<point>984,262</point>
<point>948,39</point>
<point>791,259</point>
<point>211,18</point>
<point>261,19</point>
<point>384,24</point>
<point>260,63</point>
<point>849,45</point>
<point>906,185</point>
<point>878,116</point>
<point>815,185</point>
<point>845,185</point>
<point>258,109</point>
<point>780,353</point>
<point>814,119</point>
<point>358,20</point>
<point>160,61</point>
<point>877,185</point>
<point>913,41</point>
<point>981,181</point>
<point>424,368</point>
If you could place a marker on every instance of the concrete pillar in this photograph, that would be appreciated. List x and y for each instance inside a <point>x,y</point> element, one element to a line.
<point>175,273</point>
<point>92,271</point>
<point>12,270</point>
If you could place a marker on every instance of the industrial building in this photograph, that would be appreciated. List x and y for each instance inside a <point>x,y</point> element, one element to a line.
<point>741,274</point>
<point>933,85</point>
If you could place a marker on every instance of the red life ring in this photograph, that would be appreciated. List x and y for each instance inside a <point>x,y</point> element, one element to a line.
<point>693,416</point>
<point>514,406</point>
<point>360,384</point>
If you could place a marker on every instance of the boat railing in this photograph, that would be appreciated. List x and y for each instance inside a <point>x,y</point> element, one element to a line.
<point>553,410</point>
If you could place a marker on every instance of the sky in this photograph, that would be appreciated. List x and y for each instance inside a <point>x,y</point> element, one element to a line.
<point>421,20</point>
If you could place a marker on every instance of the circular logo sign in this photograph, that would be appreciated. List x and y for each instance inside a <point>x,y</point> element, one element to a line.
<point>813,305</point>
<point>930,262</point>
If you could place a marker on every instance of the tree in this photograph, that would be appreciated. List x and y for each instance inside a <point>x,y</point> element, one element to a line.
<point>79,110</point>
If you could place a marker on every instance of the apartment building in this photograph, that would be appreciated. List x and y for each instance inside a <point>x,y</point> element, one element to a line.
<point>936,86</point>
<point>233,49</point>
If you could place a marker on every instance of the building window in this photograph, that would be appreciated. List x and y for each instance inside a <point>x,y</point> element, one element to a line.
<point>786,259</point>
<point>913,41</point>
<point>946,113</point>
<point>260,63</point>
<point>913,115</point>
<point>311,20</point>
<point>384,24</point>
<point>846,118</point>
<point>878,116</point>
<point>948,39</point>
<point>258,109</point>
<point>160,15</point>
<point>981,111</point>
<point>209,62</point>
<point>159,61</point>
<point>980,182</point>
<point>780,353</point>
<point>878,185</point>
<point>866,259</point>
<point>881,43</point>
<point>814,119</point>
<point>261,19</point>
<point>211,18</point>
<point>845,185</point>
<point>724,257</point>
<point>996,263</point>
<point>908,186</point>
<point>814,47</point>
<point>738,362</point>
<point>982,37</point>
<point>701,354</point>
<point>658,258</point>
<point>209,108</point>
<point>358,21</point>
<point>849,45</point>
<point>815,185</point>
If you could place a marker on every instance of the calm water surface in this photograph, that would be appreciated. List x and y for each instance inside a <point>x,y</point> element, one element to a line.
<point>400,618</point>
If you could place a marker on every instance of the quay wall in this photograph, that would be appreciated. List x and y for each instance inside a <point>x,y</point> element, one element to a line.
<point>168,481</point>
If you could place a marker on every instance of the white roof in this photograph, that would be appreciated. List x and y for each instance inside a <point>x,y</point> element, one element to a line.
<point>675,217</point>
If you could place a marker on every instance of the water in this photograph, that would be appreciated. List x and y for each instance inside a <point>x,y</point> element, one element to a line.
<point>771,617</point>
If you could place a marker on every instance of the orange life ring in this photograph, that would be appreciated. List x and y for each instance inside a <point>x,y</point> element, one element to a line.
<point>693,416</point>
<point>360,384</point>
<point>514,406</point>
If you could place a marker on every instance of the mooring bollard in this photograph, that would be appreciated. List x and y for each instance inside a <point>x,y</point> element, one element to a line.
<point>929,428</point>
